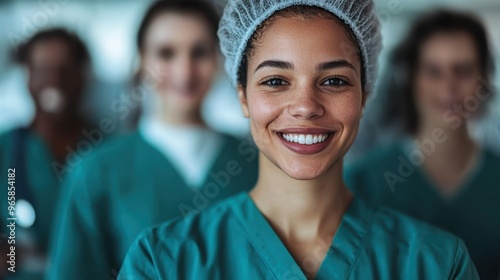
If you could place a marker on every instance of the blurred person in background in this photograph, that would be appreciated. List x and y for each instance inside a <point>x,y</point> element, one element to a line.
<point>57,63</point>
<point>438,79</point>
<point>173,165</point>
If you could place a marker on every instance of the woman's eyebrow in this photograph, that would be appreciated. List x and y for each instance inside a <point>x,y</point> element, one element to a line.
<point>335,64</point>
<point>289,66</point>
<point>275,64</point>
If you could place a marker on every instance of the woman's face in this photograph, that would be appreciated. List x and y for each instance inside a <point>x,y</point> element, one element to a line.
<point>180,59</point>
<point>447,74</point>
<point>304,95</point>
<point>56,78</point>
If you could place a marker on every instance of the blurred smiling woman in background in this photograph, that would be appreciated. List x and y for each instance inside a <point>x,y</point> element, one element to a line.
<point>439,76</point>
<point>303,69</point>
<point>174,164</point>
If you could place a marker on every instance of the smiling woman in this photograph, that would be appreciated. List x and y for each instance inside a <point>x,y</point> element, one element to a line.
<point>303,70</point>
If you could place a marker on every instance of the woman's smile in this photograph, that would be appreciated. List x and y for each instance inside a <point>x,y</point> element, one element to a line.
<point>305,140</point>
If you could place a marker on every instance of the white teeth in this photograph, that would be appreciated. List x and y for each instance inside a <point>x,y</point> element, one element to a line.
<point>305,139</point>
<point>309,139</point>
<point>302,139</point>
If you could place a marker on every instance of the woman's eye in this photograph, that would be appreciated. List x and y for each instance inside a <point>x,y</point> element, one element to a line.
<point>336,82</point>
<point>166,53</point>
<point>200,53</point>
<point>275,82</point>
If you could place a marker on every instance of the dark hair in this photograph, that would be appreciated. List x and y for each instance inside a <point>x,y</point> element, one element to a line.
<point>199,7</point>
<point>306,12</point>
<point>397,82</point>
<point>76,45</point>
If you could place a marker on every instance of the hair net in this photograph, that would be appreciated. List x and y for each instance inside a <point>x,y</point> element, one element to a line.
<point>241,19</point>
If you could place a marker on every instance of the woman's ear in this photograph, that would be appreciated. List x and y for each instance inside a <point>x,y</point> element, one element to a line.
<point>243,100</point>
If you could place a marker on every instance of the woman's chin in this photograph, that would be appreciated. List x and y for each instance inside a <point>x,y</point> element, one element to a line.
<point>304,172</point>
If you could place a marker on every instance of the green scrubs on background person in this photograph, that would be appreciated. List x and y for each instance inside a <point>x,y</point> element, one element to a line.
<point>128,186</point>
<point>388,177</point>
<point>41,191</point>
<point>237,242</point>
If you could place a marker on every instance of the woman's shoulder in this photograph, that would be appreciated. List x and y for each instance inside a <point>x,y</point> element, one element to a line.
<point>412,236</point>
<point>119,150</point>
<point>116,144</point>
<point>367,176</point>
<point>190,240</point>
<point>377,157</point>
<point>405,228</point>
<point>191,226</point>
<point>492,159</point>
<point>396,236</point>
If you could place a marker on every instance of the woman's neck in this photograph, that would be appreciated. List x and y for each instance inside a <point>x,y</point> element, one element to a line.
<point>456,149</point>
<point>301,209</point>
<point>59,133</point>
<point>188,119</point>
<point>452,160</point>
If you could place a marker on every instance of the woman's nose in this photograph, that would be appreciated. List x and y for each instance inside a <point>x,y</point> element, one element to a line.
<point>183,69</point>
<point>306,104</point>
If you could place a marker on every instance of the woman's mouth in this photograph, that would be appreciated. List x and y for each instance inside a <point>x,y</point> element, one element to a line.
<point>305,139</point>
<point>308,142</point>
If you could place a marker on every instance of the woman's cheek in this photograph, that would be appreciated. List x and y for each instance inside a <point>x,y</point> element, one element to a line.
<point>348,110</point>
<point>207,71</point>
<point>262,108</point>
<point>262,112</point>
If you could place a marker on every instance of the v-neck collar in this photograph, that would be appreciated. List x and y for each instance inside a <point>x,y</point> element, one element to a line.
<point>339,259</point>
<point>174,171</point>
<point>192,151</point>
<point>463,186</point>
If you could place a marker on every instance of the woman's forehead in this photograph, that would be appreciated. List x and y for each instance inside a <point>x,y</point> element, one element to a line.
<point>305,40</point>
<point>172,27</point>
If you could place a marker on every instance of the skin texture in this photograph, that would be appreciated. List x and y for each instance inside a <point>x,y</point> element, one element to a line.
<point>447,75</point>
<point>182,48</point>
<point>302,196</point>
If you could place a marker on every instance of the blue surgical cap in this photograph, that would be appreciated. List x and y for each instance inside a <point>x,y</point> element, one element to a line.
<point>241,19</point>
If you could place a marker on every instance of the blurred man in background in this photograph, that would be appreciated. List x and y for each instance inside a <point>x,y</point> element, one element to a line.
<point>57,63</point>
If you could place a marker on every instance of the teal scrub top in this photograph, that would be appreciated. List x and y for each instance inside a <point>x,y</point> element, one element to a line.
<point>44,187</point>
<point>126,187</point>
<point>473,213</point>
<point>233,240</point>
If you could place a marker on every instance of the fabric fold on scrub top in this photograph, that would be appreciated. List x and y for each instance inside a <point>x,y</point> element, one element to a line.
<point>126,187</point>
<point>233,240</point>
<point>388,177</point>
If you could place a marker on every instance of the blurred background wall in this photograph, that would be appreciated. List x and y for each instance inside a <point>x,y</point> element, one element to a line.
<point>109,28</point>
